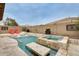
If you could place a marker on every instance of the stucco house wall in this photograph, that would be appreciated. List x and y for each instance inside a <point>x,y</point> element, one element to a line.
<point>58,28</point>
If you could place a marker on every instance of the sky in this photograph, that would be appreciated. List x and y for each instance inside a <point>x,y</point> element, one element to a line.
<point>39,13</point>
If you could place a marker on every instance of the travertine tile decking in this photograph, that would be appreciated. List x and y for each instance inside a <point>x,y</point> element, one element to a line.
<point>38,49</point>
<point>61,52</point>
<point>9,47</point>
<point>73,50</point>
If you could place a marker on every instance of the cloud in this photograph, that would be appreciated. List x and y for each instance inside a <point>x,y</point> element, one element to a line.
<point>39,13</point>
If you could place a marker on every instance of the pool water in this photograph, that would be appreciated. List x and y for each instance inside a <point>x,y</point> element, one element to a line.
<point>23,40</point>
<point>53,37</point>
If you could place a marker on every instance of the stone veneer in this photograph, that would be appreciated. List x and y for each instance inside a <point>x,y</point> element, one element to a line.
<point>53,43</point>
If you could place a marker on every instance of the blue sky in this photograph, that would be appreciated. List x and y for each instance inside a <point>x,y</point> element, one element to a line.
<point>39,13</point>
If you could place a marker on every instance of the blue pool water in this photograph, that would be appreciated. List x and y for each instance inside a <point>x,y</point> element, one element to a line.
<point>54,37</point>
<point>23,40</point>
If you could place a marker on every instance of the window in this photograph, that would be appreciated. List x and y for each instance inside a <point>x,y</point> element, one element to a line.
<point>4,28</point>
<point>72,27</point>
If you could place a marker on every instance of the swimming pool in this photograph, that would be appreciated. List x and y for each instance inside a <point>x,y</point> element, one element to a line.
<point>23,40</point>
<point>53,37</point>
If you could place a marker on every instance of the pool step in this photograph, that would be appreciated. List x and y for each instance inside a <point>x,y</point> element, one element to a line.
<point>38,49</point>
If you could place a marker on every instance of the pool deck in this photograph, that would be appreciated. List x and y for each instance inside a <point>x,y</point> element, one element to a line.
<point>61,52</point>
<point>73,48</point>
<point>9,47</point>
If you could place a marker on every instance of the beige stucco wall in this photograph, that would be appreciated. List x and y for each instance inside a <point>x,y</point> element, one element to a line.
<point>59,28</point>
